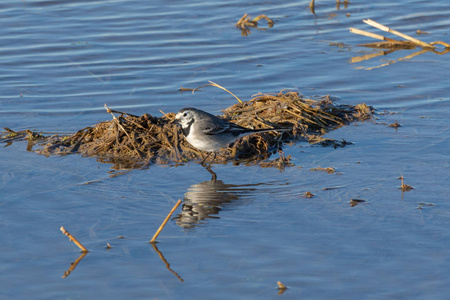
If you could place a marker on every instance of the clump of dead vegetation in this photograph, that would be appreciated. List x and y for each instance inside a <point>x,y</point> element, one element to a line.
<point>246,22</point>
<point>130,141</point>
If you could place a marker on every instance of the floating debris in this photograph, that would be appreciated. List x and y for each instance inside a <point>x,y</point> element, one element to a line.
<point>404,187</point>
<point>395,125</point>
<point>354,202</point>
<point>338,5</point>
<point>182,89</point>
<point>245,22</point>
<point>329,142</point>
<point>308,195</point>
<point>329,170</point>
<point>10,135</point>
<point>418,31</point>
<point>331,188</point>
<point>410,42</point>
<point>281,288</point>
<point>424,204</point>
<point>392,45</point>
<point>280,163</point>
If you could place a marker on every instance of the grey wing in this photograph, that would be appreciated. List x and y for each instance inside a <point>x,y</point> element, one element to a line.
<point>216,127</point>
<point>212,125</point>
<point>225,127</point>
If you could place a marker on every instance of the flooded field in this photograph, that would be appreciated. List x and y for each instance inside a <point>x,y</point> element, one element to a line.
<point>234,238</point>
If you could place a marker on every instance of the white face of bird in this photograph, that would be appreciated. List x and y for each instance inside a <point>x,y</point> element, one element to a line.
<point>185,117</point>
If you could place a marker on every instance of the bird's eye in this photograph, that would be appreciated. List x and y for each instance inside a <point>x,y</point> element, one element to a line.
<point>185,114</point>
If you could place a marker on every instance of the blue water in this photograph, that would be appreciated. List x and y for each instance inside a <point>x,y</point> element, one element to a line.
<point>61,61</point>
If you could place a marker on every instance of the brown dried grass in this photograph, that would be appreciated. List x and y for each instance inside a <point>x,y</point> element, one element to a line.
<point>130,141</point>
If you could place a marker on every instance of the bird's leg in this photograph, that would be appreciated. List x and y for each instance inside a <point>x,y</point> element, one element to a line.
<point>214,157</point>
<point>208,167</point>
<point>203,161</point>
<point>213,175</point>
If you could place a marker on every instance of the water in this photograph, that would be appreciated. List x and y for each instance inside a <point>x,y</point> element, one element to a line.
<point>62,61</point>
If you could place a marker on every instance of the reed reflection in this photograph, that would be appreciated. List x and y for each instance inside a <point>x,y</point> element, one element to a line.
<point>206,199</point>
<point>161,256</point>
<point>74,264</point>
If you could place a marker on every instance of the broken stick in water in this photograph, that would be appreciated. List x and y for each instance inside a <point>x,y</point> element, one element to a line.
<point>83,249</point>
<point>165,221</point>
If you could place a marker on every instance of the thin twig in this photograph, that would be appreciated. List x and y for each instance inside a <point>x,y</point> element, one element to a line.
<point>269,20</point>
<point>83,249</point>
<point>165,221</point>
<point>220,87</point>
<point>311,6</point>
<point>241,21</point>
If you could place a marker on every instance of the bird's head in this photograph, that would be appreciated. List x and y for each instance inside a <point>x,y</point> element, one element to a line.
<point>185,117</point>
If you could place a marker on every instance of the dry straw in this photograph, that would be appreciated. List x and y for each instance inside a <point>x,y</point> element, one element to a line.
<point>409,42</point>
<point>129,141</point>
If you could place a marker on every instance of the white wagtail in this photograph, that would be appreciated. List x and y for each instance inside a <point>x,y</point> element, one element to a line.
<point>209,133</point>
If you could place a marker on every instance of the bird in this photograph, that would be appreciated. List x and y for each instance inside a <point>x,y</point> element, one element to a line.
<point>209,133</point>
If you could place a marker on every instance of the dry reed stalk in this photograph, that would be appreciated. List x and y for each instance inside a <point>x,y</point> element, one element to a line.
<point>73,239</point>
<point>402,35</point>
<point>241,21</point>
<point>269,21</point>
<point>372,35</point>
<point>446,45</point>
<point>281,285</point>
<point>389,43</point>
<point>311,5</point>
<point>165,221</point>
<point>220,87</point>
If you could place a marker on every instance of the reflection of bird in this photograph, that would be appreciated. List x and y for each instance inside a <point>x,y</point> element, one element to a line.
<point>209,133</point>
<point>207,198</point>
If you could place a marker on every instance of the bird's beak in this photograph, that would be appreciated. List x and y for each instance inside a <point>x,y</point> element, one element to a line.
<point>175,122</point>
